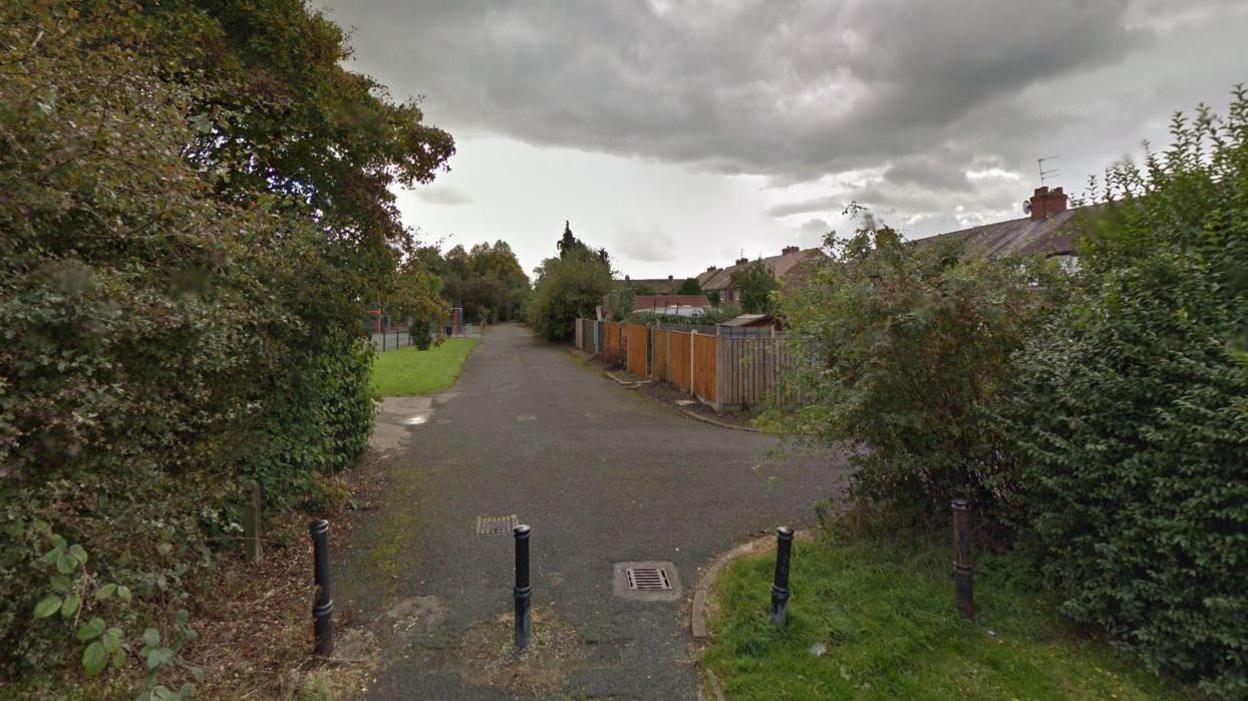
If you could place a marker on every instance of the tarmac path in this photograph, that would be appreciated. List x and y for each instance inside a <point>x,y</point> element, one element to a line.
<point>603,475</point>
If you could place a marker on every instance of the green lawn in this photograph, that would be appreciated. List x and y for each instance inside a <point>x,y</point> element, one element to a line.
<point>408,371</point>
<point>885,613</point>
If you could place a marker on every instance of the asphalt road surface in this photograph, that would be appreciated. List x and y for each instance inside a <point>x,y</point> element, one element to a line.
<point>603,476</point>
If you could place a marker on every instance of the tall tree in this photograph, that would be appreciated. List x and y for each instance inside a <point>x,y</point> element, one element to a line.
<point>756,285</point>
<point>567,287</point>
<point>568,242</point>
<point>487,281</point>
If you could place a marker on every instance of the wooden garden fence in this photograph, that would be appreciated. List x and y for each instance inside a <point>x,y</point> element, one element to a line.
<point>724,371</point>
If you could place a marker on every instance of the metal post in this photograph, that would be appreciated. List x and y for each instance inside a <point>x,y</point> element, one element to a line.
<point>523,592</point>
<point>963,580</point>
<point>780,584</point>
<point>323,604</point>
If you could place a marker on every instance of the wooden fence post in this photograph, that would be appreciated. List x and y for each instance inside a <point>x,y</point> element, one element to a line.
<point>667,370</point>
<point>251,526</point>
<point>692,368</point>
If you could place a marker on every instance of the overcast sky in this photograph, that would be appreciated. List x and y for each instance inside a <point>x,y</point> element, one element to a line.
<point>680,133</point>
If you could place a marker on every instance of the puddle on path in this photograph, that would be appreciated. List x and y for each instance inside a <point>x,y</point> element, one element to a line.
<point>397,417</point>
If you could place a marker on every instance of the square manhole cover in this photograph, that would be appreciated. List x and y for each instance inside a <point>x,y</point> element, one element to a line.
<point>496,525</point>
<point>651,580</point>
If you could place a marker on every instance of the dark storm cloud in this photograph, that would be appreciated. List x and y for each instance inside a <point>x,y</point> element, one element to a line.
<point>788,89</point>
<point>932,112</point>
<point>930,171</point>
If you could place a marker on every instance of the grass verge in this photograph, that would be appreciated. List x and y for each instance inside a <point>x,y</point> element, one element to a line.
<point>408,371</point>
<point>881,608</point>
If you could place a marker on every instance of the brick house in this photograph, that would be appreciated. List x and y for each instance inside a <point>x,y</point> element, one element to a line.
<point>787,267</point>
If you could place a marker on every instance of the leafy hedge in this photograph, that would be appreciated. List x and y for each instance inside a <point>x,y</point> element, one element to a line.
<point>180,298</point>
<point>1132,414</point>
<point>1104,419</point>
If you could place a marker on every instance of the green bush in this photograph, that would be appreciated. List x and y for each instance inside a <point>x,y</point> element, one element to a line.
<point>421,334</point>
<point>758,287</point>
<point>911,346</point>
<point>567,287</point>
<point>1132,413</point>
<point>175,326</point>
<point>620,302</point>
<point>717,314</point>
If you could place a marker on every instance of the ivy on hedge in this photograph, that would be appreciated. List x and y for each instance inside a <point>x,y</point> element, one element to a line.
<point>182,282</point>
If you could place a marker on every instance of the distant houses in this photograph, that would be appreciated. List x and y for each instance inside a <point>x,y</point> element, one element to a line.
<point>653,286</point>
<point>786,267</point>
<point>1047,231</point>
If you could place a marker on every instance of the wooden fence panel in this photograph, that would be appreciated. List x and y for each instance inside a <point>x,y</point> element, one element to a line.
<point>678,360</point>
<point>705,365</point>
<point>754,370</point>
<point>612,342</point>
<point>637,347</point>
<point>658,355</point>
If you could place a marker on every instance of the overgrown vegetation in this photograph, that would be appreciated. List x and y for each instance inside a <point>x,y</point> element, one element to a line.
<point>913,345</point>
<point>1131,413</point>
<point>1099,420</point>
<point>183,270</point>
<point>620,302</point>
<point>757,286</point>
<point>717,314</point>
<point>568,287</point>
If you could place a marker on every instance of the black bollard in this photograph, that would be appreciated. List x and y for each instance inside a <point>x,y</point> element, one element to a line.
<point>780,584</point>
<point>323,604</point>
<point>963,581</point>
<point>523,592</point>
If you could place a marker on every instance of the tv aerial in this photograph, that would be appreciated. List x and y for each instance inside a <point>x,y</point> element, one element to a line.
<point>1047,173</point>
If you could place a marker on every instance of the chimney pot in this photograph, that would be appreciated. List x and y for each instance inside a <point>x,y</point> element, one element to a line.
<point>1046,203</point>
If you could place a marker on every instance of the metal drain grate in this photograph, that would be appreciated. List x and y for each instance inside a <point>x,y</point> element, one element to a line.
<point>496,525</point>
<point>648,579</point>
